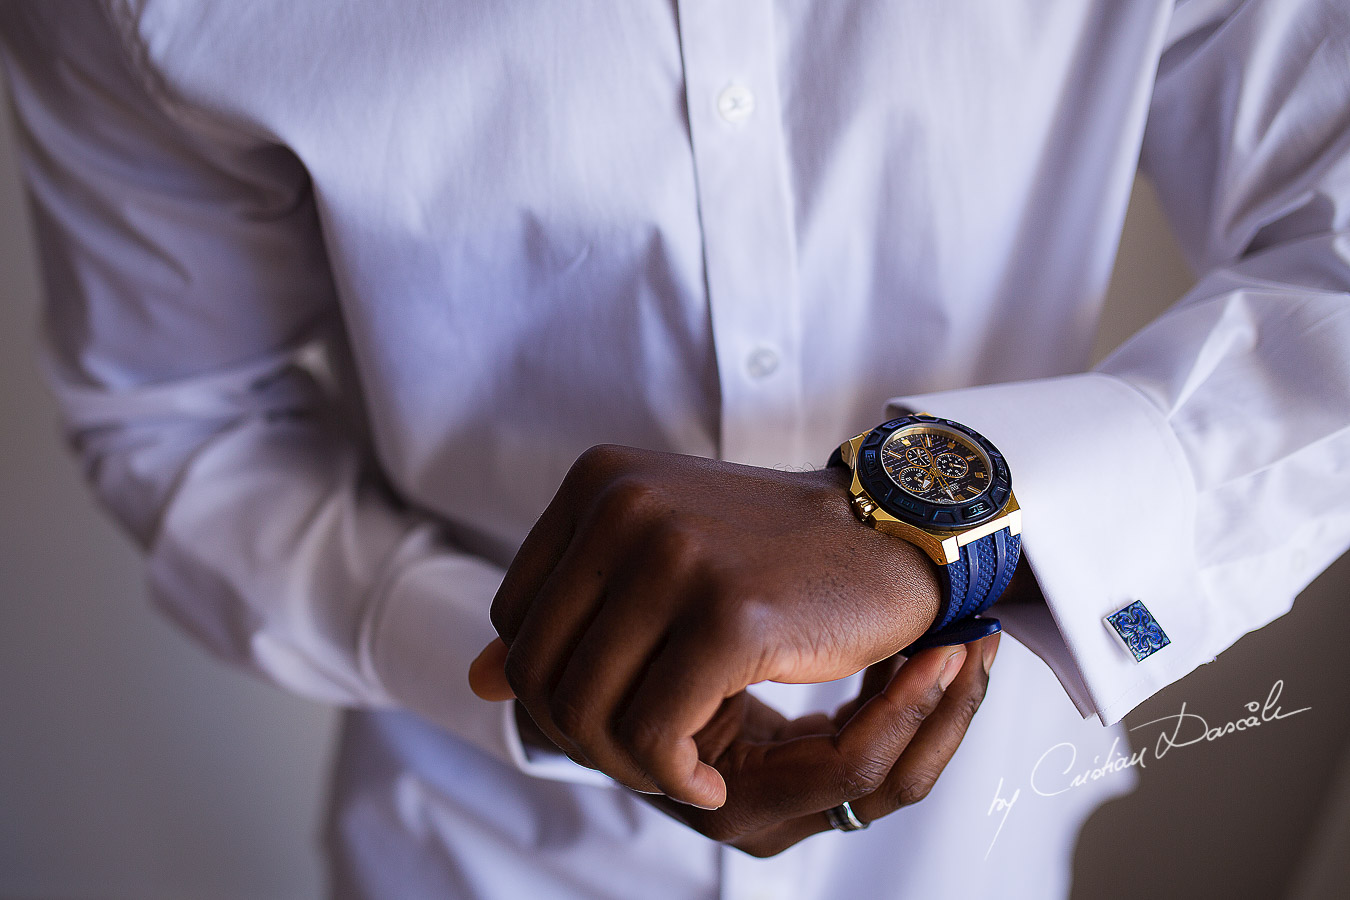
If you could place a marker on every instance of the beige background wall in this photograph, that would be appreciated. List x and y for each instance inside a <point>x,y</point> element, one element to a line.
<point>132,766</point>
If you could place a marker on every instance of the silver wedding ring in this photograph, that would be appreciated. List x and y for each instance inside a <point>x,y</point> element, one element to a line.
<point>843,818</point>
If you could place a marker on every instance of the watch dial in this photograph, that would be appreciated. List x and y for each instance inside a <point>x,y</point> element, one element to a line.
<point>935,464</point>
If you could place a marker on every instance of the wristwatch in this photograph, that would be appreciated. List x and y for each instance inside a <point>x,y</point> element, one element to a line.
<point>945,488</point>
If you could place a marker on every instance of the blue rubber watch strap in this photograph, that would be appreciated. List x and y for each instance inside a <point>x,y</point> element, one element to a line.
<point>962,631</point>
<point>970,585</point>
<point>1010,552</point>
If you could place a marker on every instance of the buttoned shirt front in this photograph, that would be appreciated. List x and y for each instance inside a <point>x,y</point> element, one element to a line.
<point>337,294</point>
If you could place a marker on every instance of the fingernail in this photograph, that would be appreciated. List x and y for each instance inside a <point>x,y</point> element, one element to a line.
<point>990,651</point>
<point>695,803</point>
<point>711,780</point>
<point>952,667</point>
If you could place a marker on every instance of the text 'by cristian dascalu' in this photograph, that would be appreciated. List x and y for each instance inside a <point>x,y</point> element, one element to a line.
<point>1059,771</point>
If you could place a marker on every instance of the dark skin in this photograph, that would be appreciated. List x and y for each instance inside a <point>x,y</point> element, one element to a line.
<point>775,767</point>
<point>657,587</point>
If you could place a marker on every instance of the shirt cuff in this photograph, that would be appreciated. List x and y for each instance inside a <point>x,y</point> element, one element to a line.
<point>1108,518</point>
<point>431,624</point>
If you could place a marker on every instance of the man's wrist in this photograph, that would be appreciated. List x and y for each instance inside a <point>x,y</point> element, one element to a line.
<point>914,579</point>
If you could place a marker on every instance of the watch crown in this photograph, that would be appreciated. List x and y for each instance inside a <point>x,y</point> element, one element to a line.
<point>863,507</point>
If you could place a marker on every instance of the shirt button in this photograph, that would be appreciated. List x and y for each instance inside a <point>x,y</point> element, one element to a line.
<point>761,362</point>
<point>735,103</point>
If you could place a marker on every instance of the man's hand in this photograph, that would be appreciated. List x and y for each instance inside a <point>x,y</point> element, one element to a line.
<point>882,750</point>
<point>897,736</point>
<point>656,586</point>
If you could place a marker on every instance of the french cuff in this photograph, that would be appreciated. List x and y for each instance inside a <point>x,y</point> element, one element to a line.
<point>417,647</point>
<point>1108,519</point>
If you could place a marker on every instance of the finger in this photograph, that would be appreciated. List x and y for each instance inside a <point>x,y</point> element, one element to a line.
<point>487,673</point>
<point>537,557</point>
<point>739,715</point>
<point>937,739</point>
<point>762,835</point>
<point>572,508</point>
<point>777,793</point>
<point>816,773</point>
<point>552,626</point>
<point>742,717</point>
<point>764,814</point>
<point>605,667</point>
<point>681,690</point>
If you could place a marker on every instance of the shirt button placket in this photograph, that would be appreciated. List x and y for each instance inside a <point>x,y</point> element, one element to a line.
<point>749,243</point>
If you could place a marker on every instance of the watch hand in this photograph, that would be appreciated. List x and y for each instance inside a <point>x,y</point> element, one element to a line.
<point>942,482</point>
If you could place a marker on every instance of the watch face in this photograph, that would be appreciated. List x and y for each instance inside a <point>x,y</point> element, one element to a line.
<point>933,472</point>
<point>936,464</point>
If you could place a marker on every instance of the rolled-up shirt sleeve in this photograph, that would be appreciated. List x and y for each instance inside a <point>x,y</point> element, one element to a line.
<point>193,339</point>
<point>1201,468</point>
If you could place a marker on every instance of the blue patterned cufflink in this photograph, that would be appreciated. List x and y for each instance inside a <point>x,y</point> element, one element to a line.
<point>1138,630</point>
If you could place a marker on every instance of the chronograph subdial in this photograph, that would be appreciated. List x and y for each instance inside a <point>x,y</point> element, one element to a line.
<point>951,465</point>
<point>919,456</point>
<point>916,480</point>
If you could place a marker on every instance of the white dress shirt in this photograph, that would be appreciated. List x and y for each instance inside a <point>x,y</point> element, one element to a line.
<point>338,292</point>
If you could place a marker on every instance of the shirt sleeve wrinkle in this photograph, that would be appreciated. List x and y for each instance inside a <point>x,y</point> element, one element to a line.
<point>189,303</point>
<point>1241,390</point>
<point>1249,144</point>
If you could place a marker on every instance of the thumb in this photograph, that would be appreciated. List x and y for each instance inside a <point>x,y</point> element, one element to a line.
<point>487,673</point>
<point>811,773</point>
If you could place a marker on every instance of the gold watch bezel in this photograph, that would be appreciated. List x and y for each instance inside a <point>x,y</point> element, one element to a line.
<point>943,546</point>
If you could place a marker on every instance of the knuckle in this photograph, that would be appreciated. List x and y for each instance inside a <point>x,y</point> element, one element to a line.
<point>966,707</point>
<point>737,619</point>
<point>642,736</point>
<point>858,778</point>
<point>914,788</point>
<point>569,715</point>
<point>971,700</point>
<point>627,499</point>
<point>598,461</point>
<point>676,545</point>
<point>524,679</point>
<point>910,716</point>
